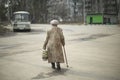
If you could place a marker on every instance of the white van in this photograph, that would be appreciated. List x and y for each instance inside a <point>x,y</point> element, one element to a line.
<point>21,21</point>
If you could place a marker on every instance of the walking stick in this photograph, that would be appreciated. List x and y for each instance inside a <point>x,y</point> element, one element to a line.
<point>65,56</point>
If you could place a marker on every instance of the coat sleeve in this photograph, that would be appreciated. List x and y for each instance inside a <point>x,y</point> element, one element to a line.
<point>62,38</point>
<point>46,41</point>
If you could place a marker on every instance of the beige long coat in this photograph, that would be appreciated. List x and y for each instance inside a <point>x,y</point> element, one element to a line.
<point>54,42</point>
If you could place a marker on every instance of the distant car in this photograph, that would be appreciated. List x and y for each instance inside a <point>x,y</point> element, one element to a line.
<point>21,21</point>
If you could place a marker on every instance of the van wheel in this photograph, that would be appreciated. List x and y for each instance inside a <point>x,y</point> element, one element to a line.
<point>29,30</point>
<point>14,30</point>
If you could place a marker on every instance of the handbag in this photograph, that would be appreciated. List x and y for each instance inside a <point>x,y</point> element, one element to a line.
<point>45,55</point>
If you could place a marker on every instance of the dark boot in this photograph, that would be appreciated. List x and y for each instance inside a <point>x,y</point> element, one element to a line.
<point>58,66</point>
<point>53,65</point>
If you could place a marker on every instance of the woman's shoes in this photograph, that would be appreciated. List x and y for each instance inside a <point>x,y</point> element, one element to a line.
<point>58,66</point>
<point>53,65</point>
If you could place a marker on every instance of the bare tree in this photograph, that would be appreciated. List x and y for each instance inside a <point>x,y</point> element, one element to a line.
<point>58,10</point>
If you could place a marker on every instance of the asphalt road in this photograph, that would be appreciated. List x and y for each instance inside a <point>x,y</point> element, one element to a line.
<point>93,53</point>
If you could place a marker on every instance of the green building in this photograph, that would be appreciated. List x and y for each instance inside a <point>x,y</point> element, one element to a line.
<point>94,19</point>
<point>101,19</point>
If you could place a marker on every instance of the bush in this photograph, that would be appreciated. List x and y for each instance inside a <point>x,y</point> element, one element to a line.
<point>3,30</point>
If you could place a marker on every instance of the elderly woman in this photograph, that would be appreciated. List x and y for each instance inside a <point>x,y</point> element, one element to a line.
<point>54,42</point>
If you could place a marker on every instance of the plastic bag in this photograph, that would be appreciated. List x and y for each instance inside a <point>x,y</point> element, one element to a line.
<point>45,55</point>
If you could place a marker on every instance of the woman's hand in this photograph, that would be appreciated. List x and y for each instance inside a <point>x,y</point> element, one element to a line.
<point>44,47</point>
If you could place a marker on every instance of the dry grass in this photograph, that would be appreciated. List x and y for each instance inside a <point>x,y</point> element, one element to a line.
<point>3,30</point>
<point>119,25</point>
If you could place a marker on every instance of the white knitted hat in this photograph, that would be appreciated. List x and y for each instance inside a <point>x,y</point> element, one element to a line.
<point>54,22</point>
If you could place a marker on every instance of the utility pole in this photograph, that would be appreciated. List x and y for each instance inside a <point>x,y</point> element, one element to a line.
<point>75,10</point>
<point>8,9</point>
<point>118,12</point>
<point>84,12</point>
<point>68,3</point>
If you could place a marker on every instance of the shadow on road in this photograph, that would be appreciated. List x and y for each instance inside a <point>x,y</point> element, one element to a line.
<point>81,73</point>
<point>7,34</point>
<point>92,37</point>
<point>20,32</point>
<point>43,75</point>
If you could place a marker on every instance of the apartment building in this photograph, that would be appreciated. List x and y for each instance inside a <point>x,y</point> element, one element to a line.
<point>101,11</point>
